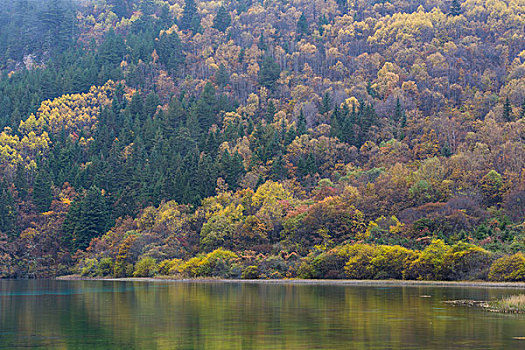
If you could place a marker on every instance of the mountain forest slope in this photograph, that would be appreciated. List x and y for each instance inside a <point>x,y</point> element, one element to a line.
<point>263,138</point>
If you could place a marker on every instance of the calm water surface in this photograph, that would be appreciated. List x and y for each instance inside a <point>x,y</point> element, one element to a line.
<point>161,315</point>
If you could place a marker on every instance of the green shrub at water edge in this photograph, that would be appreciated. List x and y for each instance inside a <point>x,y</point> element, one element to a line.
<point>508,268</point>
<point>250,272</point>
<point>105,267</point>
<point>89,267</point>
<point>145,267</point>
<point>169,267</point>
<point>464,261</point>
<point>217,263</point>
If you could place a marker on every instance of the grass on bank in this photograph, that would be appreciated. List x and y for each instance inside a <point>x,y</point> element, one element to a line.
<point>511,304</point>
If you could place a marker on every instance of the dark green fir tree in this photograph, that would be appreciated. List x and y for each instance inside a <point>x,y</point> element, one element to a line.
<point>507,111</point>
<point>302,26</point>
<point>455,8</point>
<point>222,20</point>
<point>42,191</point>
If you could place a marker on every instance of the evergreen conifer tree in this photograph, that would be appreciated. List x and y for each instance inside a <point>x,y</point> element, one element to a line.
<point>507,111</point>
<point>222,19</point>
<point>262,43</point>
<point>93,220</point>
<point>322,21</point>
<point>278,169</point>
<point>302,26</point>
<point>188,14</point>
<point>455,8</point>
<point>398,113</point>
<point>269,73</point>
<point>7,210</point>
<point>42,192</point>
<point>301,124</point>
<point>326,103</point>
<point>270,111</point>
<point>169,49</point>
<point>222,77</point>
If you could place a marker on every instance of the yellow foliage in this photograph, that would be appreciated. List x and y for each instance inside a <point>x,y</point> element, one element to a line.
<point>71,113</point>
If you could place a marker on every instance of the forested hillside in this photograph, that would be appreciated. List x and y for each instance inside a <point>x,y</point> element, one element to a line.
<point>263,138</point>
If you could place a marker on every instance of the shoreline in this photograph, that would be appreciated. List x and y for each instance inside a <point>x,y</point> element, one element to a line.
<point>357,283</point>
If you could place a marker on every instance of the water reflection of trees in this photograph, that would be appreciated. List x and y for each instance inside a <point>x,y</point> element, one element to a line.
<point>234,316</point>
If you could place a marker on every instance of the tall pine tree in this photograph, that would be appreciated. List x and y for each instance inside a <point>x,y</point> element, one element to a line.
<point>222,20</point>
<point>87,218</point>
<point>507,111</point>
<point>7,210</point>
<point>302,26</point>
<point>42,192</point>
<point>455,8</point>
<point>190,18</point>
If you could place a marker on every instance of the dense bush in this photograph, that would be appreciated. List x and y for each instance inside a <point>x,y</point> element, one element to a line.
<point>438,261</point>
<point>217,263</point>
<point>89,267</point>
<point>429,264</point>
<point>105,267</point>
<point>508,268</point>
<point>466,262</point>
<point>329,264</point>
<point>359,266</point>
<point>250,272</point>
<point>392,261</point>
<point>169,267</point>
<point>145,267</point>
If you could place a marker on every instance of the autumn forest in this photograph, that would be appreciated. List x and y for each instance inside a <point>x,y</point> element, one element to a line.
<point>263,139</point>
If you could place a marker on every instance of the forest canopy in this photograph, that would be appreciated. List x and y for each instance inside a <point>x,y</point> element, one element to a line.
<point>263,139</point>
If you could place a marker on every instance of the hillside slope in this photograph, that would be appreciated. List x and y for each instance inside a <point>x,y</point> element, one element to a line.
<point>288,138</point>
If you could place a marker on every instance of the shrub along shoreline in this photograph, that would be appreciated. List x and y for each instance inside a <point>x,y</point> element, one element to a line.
<point>295,281</point>
<point>437,262</point>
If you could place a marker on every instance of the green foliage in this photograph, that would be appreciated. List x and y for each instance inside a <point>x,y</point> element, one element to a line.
<point>250,273</point>
<point>359,265</point>
<point>379,262</point>
<point>7,211</point>
<point>508,268</point>
<point>239,125</point>
<point>465,261</point>
<point>89,267</point>
<point>507,111</point>
<point>123,266</point>
<point>169,49</point>
<point>105,267</point>
<point>190,18</point>
<point>302,26</point>
<point>42,192</point>
<point>222,77</point>
<point>222,20</point>
<point>301,124</point>
<point>169,266</point>
<point>492,187</point>
<point>89,218</point>
<point>35,27</point>
<point>430,263</point>
<point>392,262</point>
<point>269,73</point>
<point>306,270</point>
<point>455,8</point>
<point>217,263</point>
<point>196,267</point>
<point>329,264</point>
<point>145,267</point>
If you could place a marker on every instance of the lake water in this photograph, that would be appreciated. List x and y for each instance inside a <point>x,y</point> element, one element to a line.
<point>188,315</point>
